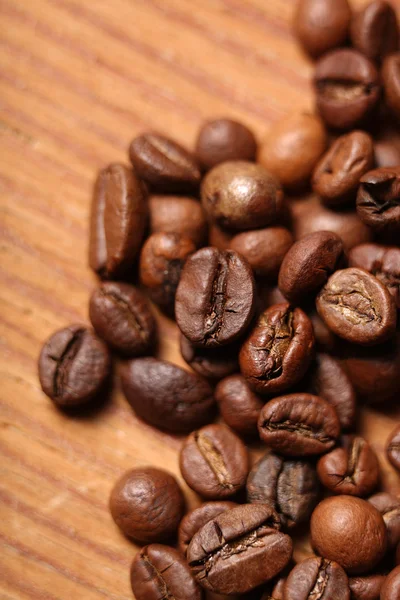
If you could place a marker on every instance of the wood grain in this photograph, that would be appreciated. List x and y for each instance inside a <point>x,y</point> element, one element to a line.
<point>78,80</point>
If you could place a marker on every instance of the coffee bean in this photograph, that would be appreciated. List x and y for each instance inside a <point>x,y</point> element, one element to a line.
<point>278,589</point>
<point>121,316</point>
<point>391,586</point>
<point>338,173</point>
<point>308,264</point>
<point>387,153</point>
<point>347,87</point>
<point>166,396</point>
<point>393,448</point>
<point>378,199</point>
<point>222,140</point>
<point>164,164</point>
<point>178,214</point>
<point>366,587</point>
<point>350,531</point>
<point>118,221</point>
<point>391,83</point>
<point>241,195</point>
<point>291,486</point>
<point>74,365</point>
<point>215,297</point>
<point>389,507</point>
<point>161,572</point>
<point>278,351</point>
<point>214,363</point>
<point>239,550</point>
<point>299,425</point>
<point>147,505</point>
<point>195,519</point>
<point>214,462</point>
<point>239,406</point>
<point>317,578</point>
<point>374,30</point>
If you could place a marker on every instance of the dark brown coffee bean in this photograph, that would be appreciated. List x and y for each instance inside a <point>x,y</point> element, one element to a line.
<point>347,87</point>
<point>164,164</point>
<point>121,316</point>
<point>240,195</point>
<point>381,261</point>
<point>211,363</point>
<point>239,550</point>
<point>161,262</point>
<point>278,351</point>
<point>338,173</point>
<point>393,448</point>
<point>166,396</point>
<point>195,519</point>
<point>321,25</point>
<point>374,30</point>
<point>325,340</point>
<point>299,425</point>
<point>215,297</point>
<point>147,505</point>
<point>308,264</point>
<point>317,578</point>
<point>239,406</point>
<point>391,586</point>
<point>222,140</point>
<point>118,221</point>
<point>367,587</point>
<point>178,214</point>
<point>73,366</point>
<point>391,83</point>
<point>378,199</point>
<point>214,462</point>
<point>387,153</point>
<point>357,307</point>
<point>389,507</point>
<point>291,486</point>
<point>159,572</point>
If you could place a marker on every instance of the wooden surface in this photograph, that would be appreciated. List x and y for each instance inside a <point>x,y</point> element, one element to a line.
<point>79,79</point>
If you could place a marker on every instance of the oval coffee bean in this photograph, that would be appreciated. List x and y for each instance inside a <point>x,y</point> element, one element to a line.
<point>393,448</point>
<point>222,140</point>
<point>239,550</point>
<point>214,462</point>
<point>195,519</point>
<point>391,586</point>
<point>161,572</point>
<point>278,351</point>
<point>389,507</point>
<point>166,396</point>
<point>367,587</point>
<point>378,199</point>
<point>391,83</point>
<point>214,363</point>
<point>178,214</point>
<point>317,578</point>
<point>239,406</point>
<point>357,307</point>
<point>381,261</point>
<point>215,297</point>
<point>299,425</point>
<point>118,221</point>
<point>73,366</point>
<point>374,30</point>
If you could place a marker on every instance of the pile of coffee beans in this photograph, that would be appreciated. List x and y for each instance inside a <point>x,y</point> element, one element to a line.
<point>287,309</point>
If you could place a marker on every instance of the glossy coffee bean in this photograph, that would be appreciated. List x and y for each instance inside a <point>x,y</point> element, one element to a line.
<point>278,351</point>
<point>74,365</point>
<point>367,587</point>
<point>317,577</point>
<point>393,448</point>
<point>239,550</point>
<point>166,396</point>
<point>387,154</point>
<point>147,504</point>
<point>347,87</point>
<point>378,199</point>
<point>239,406</point>
<point>391,586</point>
<point>338,532</point>
<point>391,83</point>
<point>357,307</point>
<point>374,30</point>
<point>214,363</point>
<point>161,572</point>
<point>214,462</point>
<point>223,140</point>
<point>178,214</point>
<point>389,507</point>
<point>195,519</point>
<point>121,316</point>
<point>118,221</point>
<point>381,261</point>
<point>299,425</point>
<point>215,297</point>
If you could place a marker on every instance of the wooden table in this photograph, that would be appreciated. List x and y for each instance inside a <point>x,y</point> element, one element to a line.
<point>79,79</point>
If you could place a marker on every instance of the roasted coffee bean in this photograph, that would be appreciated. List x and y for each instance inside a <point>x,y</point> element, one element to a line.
<point>387,153</point>
<point>299,425</point>
<point>214,462</point>
<point>347,87</point>
<point>291,486</point>
<point>391,586</point>
<point>374,30</point>
<point>121,316</point>
<point>391,83</point>
<point>241,195</point>
<point>389,507</point>
<point>166,396</point>
<point>350,531</point>
<point>239,406</point>
<point>161,262</point>
<point>292,149</point>
<point>218,237</point>
<point>215,297</point>
<point>378,199</point>
<point>161,572</point>
<point>278,590</point>
<point>338,173</point>
<point>308,264</point>
<point>367,587</point>
<point>317,578</point>
<point>357,307</point>
<point>74,365</point>
<point>195,519</point>
<point>325,340</point>
<point>118,221</point>
<point>163,163</point>
<point>211,363</point>
<point>178,214</point>
<point>222,140</point>
<point>351,469</point>
<point>239,550</point>
<point>278,351</point>
<point>147,505</point>
<point>393,448</point>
